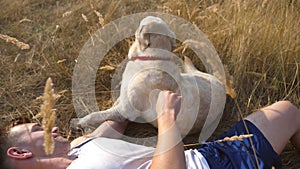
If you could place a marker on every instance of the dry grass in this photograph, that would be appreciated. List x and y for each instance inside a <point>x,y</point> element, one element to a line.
<point>15,41</point>
<point>258,41</point>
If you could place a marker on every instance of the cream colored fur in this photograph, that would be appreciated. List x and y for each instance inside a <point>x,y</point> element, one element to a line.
<point>202,93</point>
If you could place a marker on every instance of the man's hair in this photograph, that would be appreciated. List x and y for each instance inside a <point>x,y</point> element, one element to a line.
<point>8,140</point>
<point>5,143</point>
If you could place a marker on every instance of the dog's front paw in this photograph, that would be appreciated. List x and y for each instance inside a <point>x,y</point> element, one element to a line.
<point>90,121</point>
<point>75,123</point>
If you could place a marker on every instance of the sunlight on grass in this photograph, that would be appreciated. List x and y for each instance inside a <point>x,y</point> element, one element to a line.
<point>258,42</point>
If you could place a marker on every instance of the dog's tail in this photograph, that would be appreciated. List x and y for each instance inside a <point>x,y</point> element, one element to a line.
<point>188,65</point>
<point>190,68</point>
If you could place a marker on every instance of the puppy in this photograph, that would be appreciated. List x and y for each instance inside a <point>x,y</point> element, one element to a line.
<point>151,68</point>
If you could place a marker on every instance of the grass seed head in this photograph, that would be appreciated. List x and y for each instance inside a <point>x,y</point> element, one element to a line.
<point>49,116</point>
<point>235,138</point>
<point>15,41</point>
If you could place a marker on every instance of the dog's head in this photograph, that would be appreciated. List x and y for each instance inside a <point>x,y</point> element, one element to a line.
<point>152,32</point>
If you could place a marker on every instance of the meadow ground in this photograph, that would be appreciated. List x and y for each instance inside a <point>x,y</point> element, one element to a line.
<point>257,41</point>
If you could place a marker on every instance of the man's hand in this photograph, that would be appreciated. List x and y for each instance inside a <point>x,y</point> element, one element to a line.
<point>169,151</point>
<point>168,106</point>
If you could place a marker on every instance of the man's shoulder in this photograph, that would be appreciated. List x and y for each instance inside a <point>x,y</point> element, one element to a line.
<point>79,141</point>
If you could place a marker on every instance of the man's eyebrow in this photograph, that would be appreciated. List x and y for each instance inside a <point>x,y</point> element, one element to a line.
<point>36,125</point>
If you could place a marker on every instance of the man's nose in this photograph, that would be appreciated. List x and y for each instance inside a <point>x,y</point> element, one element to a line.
<point>55,130</point>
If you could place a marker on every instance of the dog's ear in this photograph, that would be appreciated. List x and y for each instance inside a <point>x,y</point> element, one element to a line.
<point>144,41</point>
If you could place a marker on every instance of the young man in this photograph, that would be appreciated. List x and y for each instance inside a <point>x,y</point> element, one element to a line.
<point>272,128</point>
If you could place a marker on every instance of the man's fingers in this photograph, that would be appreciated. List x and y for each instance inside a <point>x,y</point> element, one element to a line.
<point>168,100</point>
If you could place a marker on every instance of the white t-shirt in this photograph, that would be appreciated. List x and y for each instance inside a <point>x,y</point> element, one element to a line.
<point>106,153</point>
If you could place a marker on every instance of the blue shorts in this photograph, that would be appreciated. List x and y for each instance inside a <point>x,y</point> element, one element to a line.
<point>239,154</point>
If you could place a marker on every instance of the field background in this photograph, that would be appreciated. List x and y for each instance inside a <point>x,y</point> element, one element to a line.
<point>258,42</point>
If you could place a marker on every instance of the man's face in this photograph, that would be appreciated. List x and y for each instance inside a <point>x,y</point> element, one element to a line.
<point>31,137</point>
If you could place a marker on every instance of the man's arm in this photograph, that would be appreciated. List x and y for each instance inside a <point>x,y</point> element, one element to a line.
<point>169,152</point>
<point>109,129</point>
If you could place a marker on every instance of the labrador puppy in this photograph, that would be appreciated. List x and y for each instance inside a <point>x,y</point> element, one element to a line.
<point>151,68</point>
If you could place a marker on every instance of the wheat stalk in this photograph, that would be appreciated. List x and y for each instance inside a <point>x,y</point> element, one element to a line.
<point>226,139</point>
<point>84,18</point>
<point>68,13</point>
<point>48,114</point>
<point>234,138</point>
<point>15,41</point>
<point>100,17</point>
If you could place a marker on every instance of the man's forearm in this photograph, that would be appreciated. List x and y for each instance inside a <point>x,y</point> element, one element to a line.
<point>169,152</point>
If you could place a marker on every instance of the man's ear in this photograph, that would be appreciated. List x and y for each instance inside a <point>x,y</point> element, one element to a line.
<point>19,153</point>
